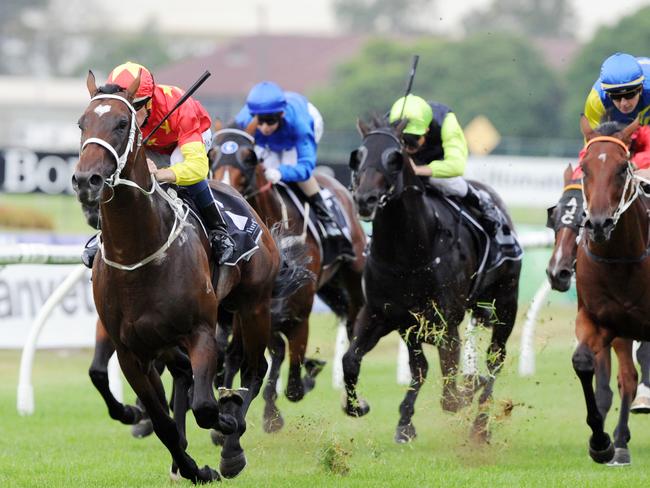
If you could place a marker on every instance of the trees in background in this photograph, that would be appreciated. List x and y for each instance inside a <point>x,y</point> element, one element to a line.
<point>499,75</point>
<point>534,18</point>
<point>383,16</point>
<point>630,35</point>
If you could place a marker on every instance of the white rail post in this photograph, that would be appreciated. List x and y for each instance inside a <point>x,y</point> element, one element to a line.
<point>25,401</point>
<point>339,351</point>
<point>527,354</point>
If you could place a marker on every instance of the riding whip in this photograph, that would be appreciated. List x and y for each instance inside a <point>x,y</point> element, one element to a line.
<point>409,85</point>
<point>180,102</point>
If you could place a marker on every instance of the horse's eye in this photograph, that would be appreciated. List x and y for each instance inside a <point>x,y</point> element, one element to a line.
<point>622,171</point>
<point>122,124</point>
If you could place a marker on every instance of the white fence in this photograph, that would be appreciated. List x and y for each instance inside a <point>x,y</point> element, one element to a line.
<point>69,305</point>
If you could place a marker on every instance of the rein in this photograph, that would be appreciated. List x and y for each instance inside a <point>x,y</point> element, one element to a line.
<point>181,211</point>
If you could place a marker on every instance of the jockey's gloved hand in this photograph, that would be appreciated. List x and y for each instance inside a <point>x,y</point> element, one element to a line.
<point>273,175</point>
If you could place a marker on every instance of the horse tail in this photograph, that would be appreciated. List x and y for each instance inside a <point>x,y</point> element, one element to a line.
<point>294,258</point>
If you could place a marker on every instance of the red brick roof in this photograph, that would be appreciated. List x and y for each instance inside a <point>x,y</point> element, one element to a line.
<point>296,63</point>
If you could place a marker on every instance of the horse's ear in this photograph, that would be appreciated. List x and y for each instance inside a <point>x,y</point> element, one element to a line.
<point>586,129</point>
<point>251,127</point>
<point>218,124</point>
<point>91,84</point>
<point>135,84</point>
<point>568,172</point>
<point>626,134</point>
<point>401,125</point>
<point>362,127</point>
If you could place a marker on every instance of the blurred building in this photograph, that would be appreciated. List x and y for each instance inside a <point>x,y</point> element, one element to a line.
<point>296,63</point>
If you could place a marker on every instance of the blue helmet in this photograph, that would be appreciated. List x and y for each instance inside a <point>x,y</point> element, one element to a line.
<point>621,73</point>
<point>266,98</point>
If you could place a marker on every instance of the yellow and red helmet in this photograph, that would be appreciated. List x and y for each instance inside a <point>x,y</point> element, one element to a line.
<point>124,74</point>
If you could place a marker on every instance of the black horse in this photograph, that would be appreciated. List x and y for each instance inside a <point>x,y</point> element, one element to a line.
<point>423,272</point>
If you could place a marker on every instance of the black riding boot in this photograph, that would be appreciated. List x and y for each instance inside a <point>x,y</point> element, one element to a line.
<point>90,251</point>
<point>488,214</point>
<point>332,228</point>
<point>223,246</point>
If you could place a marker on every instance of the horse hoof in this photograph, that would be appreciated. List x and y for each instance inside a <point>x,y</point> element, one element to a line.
<point>621,457</point>
<point>206,474</point>
<point>641,404</point>
<point>232,466</point>
<point>217,437</point>
<point>602,456</point>
<point>295,394</point>
<point>174,475</point>
<point>142,429</point>
<point>273,422</point>
<point>405,433</point>
<point>314,366</point>
<point>357,409</point>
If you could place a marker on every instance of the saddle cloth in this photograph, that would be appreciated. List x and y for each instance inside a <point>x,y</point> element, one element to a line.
<point>242,226</point>
<point>329,250</point>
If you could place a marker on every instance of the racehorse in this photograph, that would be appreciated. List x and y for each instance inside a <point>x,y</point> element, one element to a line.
<point>421,275</point>
<point>612,281</point>
<point>153,288</point>
<point>233,160</point>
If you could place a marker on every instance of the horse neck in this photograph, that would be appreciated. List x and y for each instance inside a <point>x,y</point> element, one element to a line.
<point>630,236</point>
<point>132,222</point>
<point>268,204</point>
<point>403,231</point>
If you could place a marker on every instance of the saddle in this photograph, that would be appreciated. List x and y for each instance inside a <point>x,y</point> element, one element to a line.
<point>492,252</point>
<point>330,252</point>
<point>242,225</point>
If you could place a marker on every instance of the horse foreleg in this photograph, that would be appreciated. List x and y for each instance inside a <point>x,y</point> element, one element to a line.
<point>367,332</point>
<point>297,339</point>
<point>224,329</point>
<point>449,353</point>
<point>627,381</point>
<point>273,420</point>
<point>603,372</point>
<point>405,431</point>
<point>163,425</point>
<point>98,372</point>
<point>591,340</point>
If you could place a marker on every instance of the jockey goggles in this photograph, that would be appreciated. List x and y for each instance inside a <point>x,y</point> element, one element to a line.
<point>627,95</point>
<point>269,119</point>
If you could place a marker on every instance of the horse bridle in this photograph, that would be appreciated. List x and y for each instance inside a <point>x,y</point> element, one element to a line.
<point>632,183</point>
<point>181,211</point>
<point>251,190</point>
<point>395,184</point>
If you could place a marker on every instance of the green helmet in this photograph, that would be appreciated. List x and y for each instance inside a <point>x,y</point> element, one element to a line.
<point>416,110</point>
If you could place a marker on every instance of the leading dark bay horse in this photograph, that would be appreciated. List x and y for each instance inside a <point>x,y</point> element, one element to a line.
<point>421,277</point>
<point>612,277</point>
<point>234,161</point>
<point>153,288</point>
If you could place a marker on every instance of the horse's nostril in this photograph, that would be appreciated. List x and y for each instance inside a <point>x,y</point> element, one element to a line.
<point>95,181</point>
<point>564,274</point>
<point>589,224</point>
<point>608,222</point>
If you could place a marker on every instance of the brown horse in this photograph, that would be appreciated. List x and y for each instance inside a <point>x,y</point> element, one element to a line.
<point>612,278</point>
<point>153,290</point>
<point>233,160</point>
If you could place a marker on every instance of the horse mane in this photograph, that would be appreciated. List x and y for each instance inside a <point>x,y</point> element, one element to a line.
<point>110,89</point>
<point>377,122</point>
<point>610,128</point>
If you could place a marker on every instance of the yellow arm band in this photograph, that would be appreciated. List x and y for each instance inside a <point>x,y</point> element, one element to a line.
<point>194,166</point>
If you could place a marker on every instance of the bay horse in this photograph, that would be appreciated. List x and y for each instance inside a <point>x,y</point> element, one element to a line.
<point>612,277</point>
<point>234,161</point>
<point>153,289</point>
<point>420,278</point>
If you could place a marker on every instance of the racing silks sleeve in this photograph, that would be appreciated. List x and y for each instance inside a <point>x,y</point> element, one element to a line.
<point>455,148</point>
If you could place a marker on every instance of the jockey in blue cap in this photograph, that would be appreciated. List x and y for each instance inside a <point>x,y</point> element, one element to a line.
<point>287,134</point>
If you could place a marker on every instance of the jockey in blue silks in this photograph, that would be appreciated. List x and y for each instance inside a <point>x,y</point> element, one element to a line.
<point>286,138</point>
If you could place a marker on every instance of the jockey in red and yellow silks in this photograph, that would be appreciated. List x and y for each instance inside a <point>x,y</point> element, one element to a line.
<point>180,146</point>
